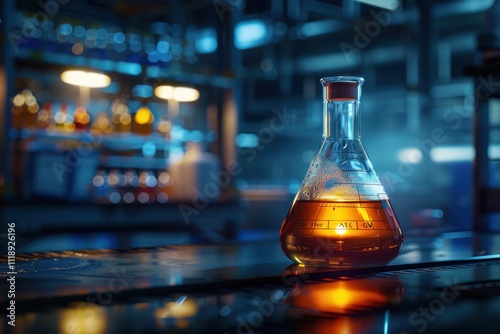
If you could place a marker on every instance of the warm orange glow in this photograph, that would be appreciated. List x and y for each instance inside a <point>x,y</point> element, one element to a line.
<point>77,49</point>
<point>164,126</point>
<point>125,119</point>
<point>119,106</point>
<point>144,116</point>
<point>30,100</point>
<point>18,100</point>
<point>70,127</point>
<point>81,116</point>
<point>17,110</point>
<point>33,108</point>
<point>349,296</point>
<point>340,230</point>
<point>176,310</point>
<point>102,123</point>
<point>60,117</point>
<point>83,320</point>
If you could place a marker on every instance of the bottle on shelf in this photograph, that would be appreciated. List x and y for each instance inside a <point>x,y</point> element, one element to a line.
<point>192,173</point>
<point>102,124</point>
<point>43,120</point>
<point>121,119</point>
<point>81,118</point>
<point>143,121</point>
<point>24,110</point>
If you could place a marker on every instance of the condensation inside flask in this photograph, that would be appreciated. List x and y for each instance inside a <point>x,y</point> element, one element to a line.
<point>341,215</point>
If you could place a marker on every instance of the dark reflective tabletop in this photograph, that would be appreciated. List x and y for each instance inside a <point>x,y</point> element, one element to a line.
<point>439,283</point>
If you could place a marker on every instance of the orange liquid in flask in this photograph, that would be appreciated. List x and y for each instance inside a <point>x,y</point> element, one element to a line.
<point>341,233</point>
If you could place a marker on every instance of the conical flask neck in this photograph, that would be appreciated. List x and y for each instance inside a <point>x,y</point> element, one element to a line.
<point>341,97</point>
<point>341,120</point>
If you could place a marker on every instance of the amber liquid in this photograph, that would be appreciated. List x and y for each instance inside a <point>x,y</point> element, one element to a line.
<point>343,234</point>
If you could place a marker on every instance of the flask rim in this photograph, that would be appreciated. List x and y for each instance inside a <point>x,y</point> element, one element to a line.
<point>342,78</point>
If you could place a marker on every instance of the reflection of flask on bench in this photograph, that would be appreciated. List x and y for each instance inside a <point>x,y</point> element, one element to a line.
<point>341,215</point>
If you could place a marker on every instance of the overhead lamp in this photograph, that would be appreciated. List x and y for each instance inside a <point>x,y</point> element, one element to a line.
<point>186,94</point>
<point>174,95</point>
<point>165,92</point>
<point>180,94</point>
<point>85,79</point>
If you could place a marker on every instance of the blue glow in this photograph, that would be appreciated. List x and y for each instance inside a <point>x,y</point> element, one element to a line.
<point>113,88</point>
<point>134,37</point>
<point>162,47</point>
<point>212,136</point>
<point>153,71</point>
<point>250,33</point>
<point>196,135</point>
<point>25,133</point>
<point>386,322</point>
<point>102,33</point>
<point>119,38</point>
<point>102,64</point>
<point>65,28</point>
<point>241,184</point>
<point>159,28</point>
<point>79,31</point>
<point>120,47</point>
<point>294,187</point>
<point>436,213</point>
<point>247,140</point>
<point>390,5</point>
<point>135,46</point>
<point>206,41</point>
<point>166,57</point>
<point>91,34</point>
<point>142,91</point>
<point>128,68</point>
<point>322,27</point>
<point>154,57</point>
<point>148,149</point>
<point>179,133</point>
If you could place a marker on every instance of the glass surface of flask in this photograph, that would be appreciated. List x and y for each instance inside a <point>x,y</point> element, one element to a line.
<point>341,215</point>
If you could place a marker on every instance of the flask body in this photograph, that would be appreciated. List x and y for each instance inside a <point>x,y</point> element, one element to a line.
<point>341,215</point>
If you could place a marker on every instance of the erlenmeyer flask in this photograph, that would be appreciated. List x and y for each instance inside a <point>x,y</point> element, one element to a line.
<point>341,215</point>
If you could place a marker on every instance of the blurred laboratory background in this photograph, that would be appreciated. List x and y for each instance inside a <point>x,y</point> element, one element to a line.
<point>202,116</point>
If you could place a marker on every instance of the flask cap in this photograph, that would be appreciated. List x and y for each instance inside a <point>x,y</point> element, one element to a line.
<point>342,88</point>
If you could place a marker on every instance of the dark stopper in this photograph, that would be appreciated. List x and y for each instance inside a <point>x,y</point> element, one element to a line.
<point>341,90</point>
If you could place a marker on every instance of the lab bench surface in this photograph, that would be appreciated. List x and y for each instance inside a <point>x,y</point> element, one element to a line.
<point>444,283</point>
